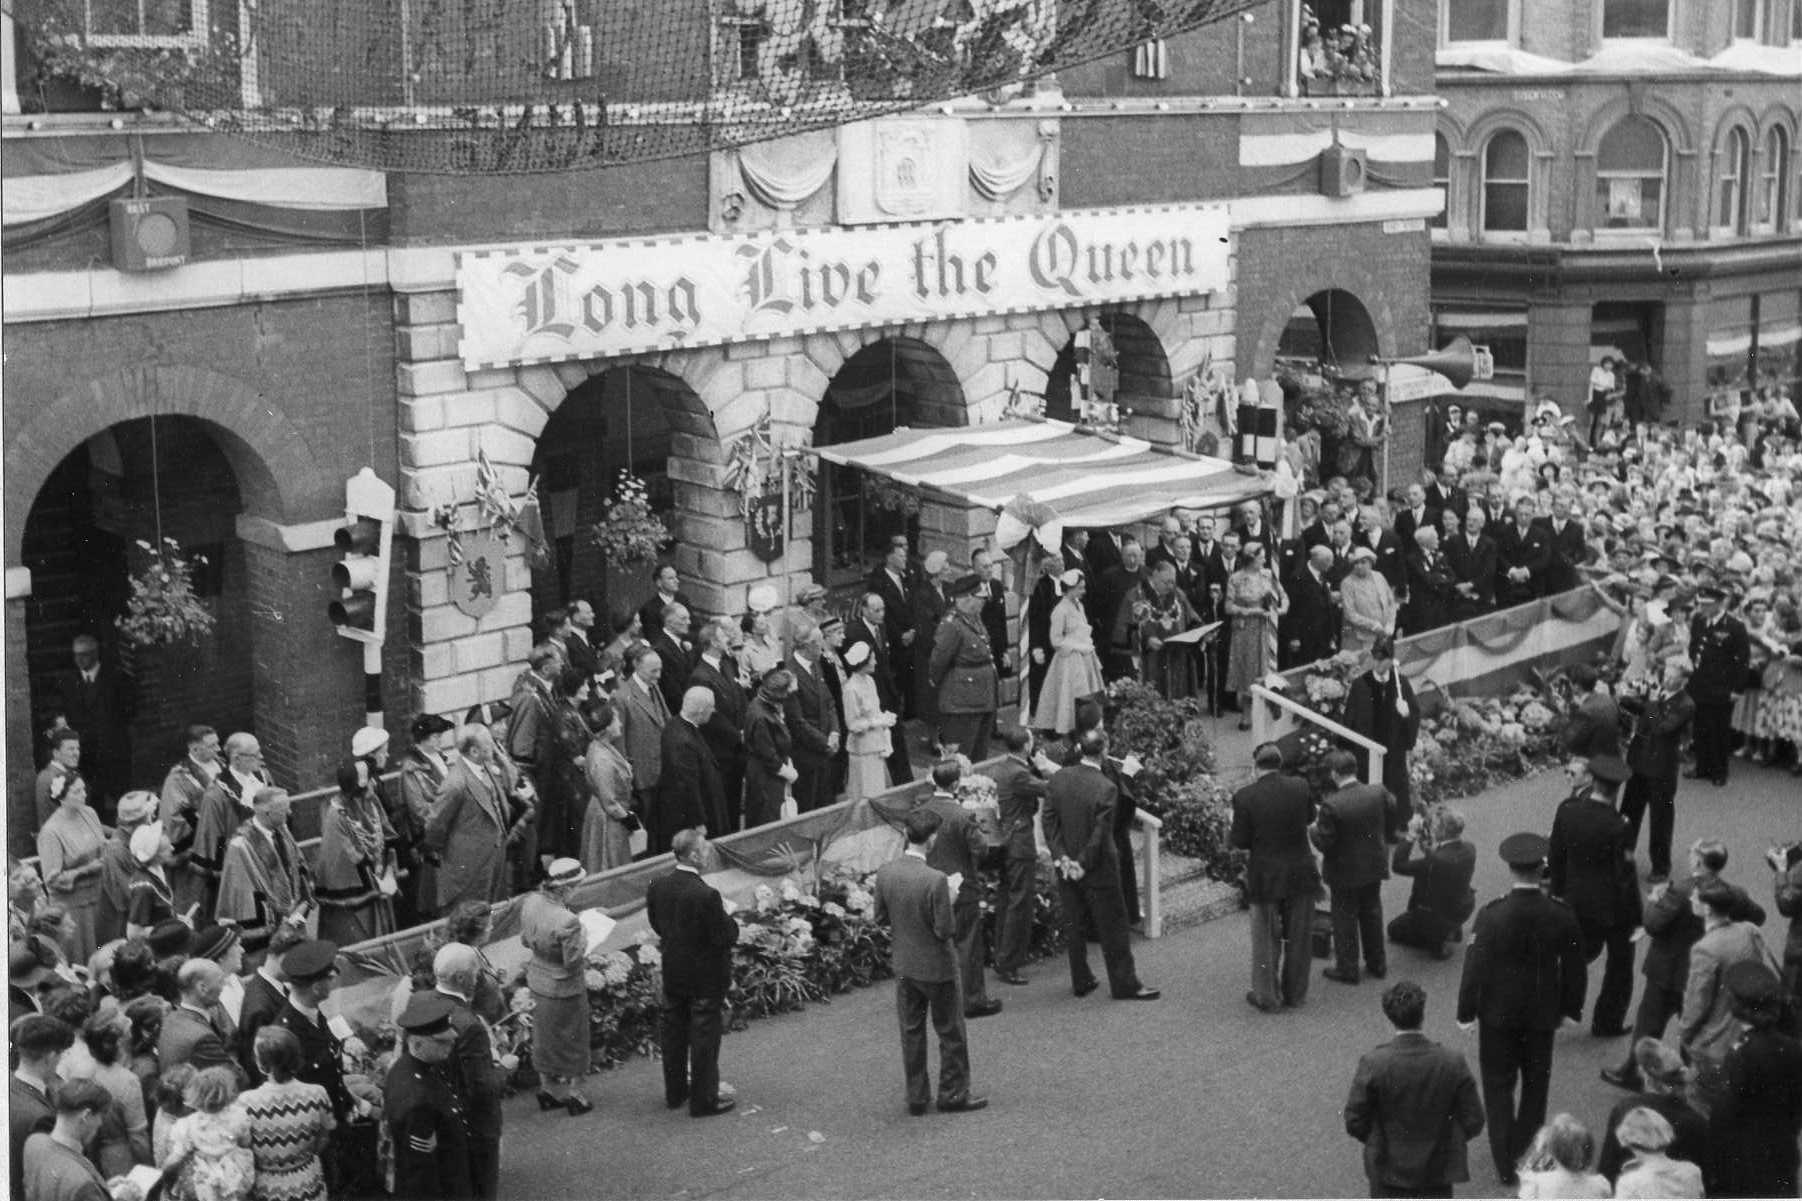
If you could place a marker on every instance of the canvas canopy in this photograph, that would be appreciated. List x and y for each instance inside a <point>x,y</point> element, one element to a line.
<point>1058,472</point>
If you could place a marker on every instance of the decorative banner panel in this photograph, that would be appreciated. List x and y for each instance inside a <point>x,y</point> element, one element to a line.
<point>552,304</point>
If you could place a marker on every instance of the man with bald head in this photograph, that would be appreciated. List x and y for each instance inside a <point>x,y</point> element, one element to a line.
<point>1431,585</point>
<point>266,881</point>
<point>224,806</point>
<point>478,1079</point>
<point>191,1032</point>
<point>690,791</point>
<point>674,645</point>
<point>1311,624</point>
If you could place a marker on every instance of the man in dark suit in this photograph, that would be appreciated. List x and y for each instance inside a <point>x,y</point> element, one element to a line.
<point>914,899</point>
<point>1271,816</point>
<point>1210,562</point>
<point>1416,516</point>
<point>1251,527</point>
<point>1414,1105</point>
<point>1523,555</point>
<point>697,934</point>
<point>1101,551</point>
<point>1722,654</point>
<point>1672,928</point>
<point>1652,758</point>
<point>812,721</point>
<point>965,685</point>
<point>1565,534</point>
<point>1369,531</point>
<point>871,628</point>
<point>1019,788</point>
<point>1441,497</point>
<point>96,702</point>
<point>929,604</point>
<point>1352,832</point>
<point>38,1042</point>
<point>1440,900</point>
<point>532,744</point>
<point>584,656</point>
<point>265,992</point>
<point>1592,872</point>
<point>673,646</point>
<point>1523,976</point>
<point>890,581</point>
<point>1312,620</point>
<point>690,793</point>
<point>1430,584</point>
<point>1473,554</point>
<point>668,585</point>
<point>958,852</point>
<point>717,672</point>
<point>1079,831</point>
<point>994,607</point>
<point>1595,728</point>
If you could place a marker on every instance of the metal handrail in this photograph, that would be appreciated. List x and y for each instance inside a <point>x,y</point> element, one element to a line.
<point>1263,722</point>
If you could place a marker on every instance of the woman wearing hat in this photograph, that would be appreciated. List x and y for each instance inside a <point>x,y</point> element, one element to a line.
<point>421,776</point>
<point>762,651</point>
<point>868,725</point>
<point>149,894</point>
<point>555,974</point>
<point>1075,670</point>
<point>608,823</point>
<point>769,750</point>
<point>69,846</point>
<point>356,871</point>
<point>1369,607</point>
<point>1254,602</point>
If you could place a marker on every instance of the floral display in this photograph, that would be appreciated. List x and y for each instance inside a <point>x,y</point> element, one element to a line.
<point>163,609</point>
<point>630,532</point>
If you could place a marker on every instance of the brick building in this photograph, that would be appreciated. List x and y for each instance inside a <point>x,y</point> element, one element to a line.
<point>914,271</point>
<point>1621,179</point>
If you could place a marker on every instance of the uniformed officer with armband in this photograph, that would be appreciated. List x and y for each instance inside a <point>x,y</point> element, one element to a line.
<point>962,673</point>
<point>1524,974</point>
<point>425,1116</point>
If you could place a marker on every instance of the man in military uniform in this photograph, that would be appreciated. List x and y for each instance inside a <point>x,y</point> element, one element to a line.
<point>425,1118</point>
<point>1523,975</point>
<point>1592,873</point>
<point>1722,653</point>
<point>479,1079</point>
<point>962,673</point>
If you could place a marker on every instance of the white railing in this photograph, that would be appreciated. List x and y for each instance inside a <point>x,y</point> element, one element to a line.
<point>1152,884</point>
<point>1274,715</point>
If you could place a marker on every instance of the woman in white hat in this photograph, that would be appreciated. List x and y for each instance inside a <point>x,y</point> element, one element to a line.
<point>550,930</point>
<point>1369,605</point>
<point>1075,670</point>
<point>762,651</point>
<point>868,724</point>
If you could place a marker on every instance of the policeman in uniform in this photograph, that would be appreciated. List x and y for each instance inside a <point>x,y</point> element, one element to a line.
<point>311,968</point>
<point>1592,871</point>
<point>1523,974</point>
<point>962,672</point>
<point>425,1116</point>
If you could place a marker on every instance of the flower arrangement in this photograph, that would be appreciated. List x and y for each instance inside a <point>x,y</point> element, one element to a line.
<point>630,532</point>
<point>884,493</point>
<point>163,609</point>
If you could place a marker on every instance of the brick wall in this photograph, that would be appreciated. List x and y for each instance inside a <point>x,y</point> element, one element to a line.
<point>625,199</point>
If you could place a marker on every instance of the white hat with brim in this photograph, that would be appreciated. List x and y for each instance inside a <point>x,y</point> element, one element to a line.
<point>761,599</point>
<point>936,562</point>
<point>367,741</point>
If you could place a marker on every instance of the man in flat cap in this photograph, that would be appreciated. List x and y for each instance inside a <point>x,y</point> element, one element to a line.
<point>1722,653</point>
<point>1592,871</point>
<point>424,1113</point>
<point>962,673</point>
<point>1523,977</point>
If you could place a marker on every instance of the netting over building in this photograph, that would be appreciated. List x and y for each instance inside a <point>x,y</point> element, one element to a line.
<point>516,86</point>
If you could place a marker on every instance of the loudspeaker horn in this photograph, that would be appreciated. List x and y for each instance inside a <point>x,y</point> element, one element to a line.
<point>1456,361</point>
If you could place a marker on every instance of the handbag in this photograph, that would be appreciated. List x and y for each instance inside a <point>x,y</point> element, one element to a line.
<point>638,841</point>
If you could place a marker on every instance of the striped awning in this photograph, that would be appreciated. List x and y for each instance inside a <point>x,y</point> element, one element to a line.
<point>1091,480</point>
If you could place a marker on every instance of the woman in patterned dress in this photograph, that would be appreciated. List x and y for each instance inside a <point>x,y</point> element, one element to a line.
<point>69,846</point>
<point>1781,716</point>
<point>290,1123</point>
<point>1254,602</point>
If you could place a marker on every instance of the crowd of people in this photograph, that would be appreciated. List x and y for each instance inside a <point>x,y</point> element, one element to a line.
<point>170,950</point>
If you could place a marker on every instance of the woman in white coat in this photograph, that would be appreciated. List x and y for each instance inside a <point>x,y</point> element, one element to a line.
<point>1075,670</point>
<point>868,724</point>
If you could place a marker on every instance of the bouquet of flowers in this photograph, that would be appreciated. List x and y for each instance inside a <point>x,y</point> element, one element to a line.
<point>163,609</point>
<point>630,532</point>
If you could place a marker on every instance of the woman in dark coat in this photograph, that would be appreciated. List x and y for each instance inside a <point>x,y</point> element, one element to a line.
<point>769,752</point>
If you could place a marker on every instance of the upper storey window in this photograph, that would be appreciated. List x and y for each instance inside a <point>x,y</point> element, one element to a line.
<point>1475,20</point>
<point>1630,172</point>
<point>1636,18</point>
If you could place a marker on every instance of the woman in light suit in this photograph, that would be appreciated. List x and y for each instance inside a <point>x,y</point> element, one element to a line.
<point>559,947</point>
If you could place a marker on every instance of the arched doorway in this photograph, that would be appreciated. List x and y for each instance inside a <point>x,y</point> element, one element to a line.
<point>887,385</point>
<point>1143,366</point>
<point>81,541</point>
<point>1331,328</point>
<point>618,419</point>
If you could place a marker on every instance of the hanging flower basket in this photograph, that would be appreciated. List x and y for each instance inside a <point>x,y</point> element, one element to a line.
<point>884,493</point>
<point>163,609</point>
<point>630,532</point>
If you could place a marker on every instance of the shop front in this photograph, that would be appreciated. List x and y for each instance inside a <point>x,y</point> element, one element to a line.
<point>703,365</point>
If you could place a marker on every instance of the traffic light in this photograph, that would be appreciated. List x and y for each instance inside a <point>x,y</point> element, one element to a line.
<point>360,577</point>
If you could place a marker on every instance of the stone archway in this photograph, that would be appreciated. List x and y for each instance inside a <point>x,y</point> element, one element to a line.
<point>1331,326</point>
<point>1145,379</point>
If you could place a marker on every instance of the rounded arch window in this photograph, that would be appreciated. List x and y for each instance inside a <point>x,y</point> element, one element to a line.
<point>1631,162</point>
<point>1733,182</point>
<point>1506,183</point>
<point>1442,178</point>
<point>1773,191</point>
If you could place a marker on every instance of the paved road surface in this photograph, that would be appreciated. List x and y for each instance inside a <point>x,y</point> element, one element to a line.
<point>1196,1095</point>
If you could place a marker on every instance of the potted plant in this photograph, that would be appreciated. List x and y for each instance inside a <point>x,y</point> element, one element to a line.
<point>163,609</point>
<point>630,532</point>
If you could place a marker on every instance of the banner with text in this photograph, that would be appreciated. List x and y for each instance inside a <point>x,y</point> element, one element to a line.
<point>556,303</point>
